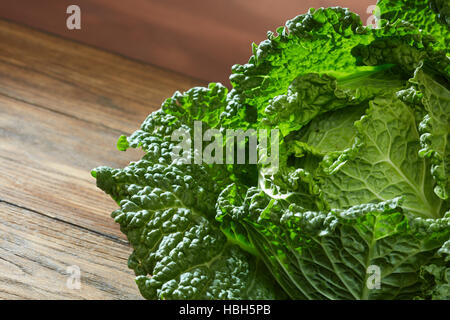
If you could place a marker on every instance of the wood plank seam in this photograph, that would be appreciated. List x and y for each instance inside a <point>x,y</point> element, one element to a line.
<point>111,54</point>
<point>108,236</point>
<point>34,260</point>
<point>36,125</point>
<point>113,130</point>
<point>48,34</point>
<point>15,264</point>
<point>57,111</point>
<point>18,160</point>
<point>70,83</point>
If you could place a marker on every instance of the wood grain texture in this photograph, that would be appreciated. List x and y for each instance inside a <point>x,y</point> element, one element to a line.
<point>62,107</point>
<point>200,38</point>
<point>36,252</point>
<point>81,81</point>
<point>46,161</point>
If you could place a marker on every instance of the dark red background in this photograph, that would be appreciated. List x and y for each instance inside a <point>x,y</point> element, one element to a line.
<point>199,38</point>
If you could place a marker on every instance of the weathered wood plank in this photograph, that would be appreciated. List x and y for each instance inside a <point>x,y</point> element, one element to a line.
<point>62,108</point>
<point>36,251</point>
<point>46,156</point>
<point>81,81</point>
<point>46,160</point>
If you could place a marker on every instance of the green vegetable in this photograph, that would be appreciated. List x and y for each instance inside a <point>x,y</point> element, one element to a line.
<point>359,206</point>
<point>433,16</point>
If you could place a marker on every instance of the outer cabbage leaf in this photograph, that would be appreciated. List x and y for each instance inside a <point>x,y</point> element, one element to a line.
<point>431,16</point>
<point>178,252</point>
<point>334,255</point>
<point>328,133</point>
<point>435,129</point>
<point>327,41</point>
<point>167,211</point>
<point>387,164</point>
<point>317,42</point>
<point>313,94</point>
<point>438,274</point>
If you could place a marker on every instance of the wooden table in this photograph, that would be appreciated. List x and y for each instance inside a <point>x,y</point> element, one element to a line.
<point>62,107</point>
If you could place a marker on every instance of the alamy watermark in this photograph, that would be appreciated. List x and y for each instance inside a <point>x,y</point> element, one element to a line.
<point>73,22</point>
<point>374,277</point>
<point>374,18</point>
<point>227,146</point>
<point>74,280</point>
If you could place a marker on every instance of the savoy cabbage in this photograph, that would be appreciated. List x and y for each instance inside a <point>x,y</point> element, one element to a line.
<point>363,179</point>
